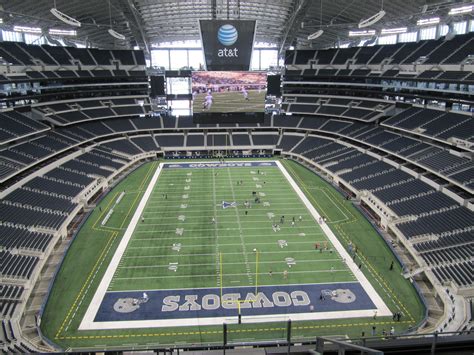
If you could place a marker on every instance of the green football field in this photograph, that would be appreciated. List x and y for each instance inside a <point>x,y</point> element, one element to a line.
<point>232,102</point>
<point>174,246</point>
<point>177,245</point>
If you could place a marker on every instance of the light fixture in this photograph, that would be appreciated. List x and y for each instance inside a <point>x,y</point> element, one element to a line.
<point>26,29</point>
<point>116,34</point>
<point>59,32</point>
<point>461,10</point>
<point>428,21</point>
<point>319,32</point>
<point>1,20</point>
<point>361,33</point>
<point>113,33</point>
<point>315,35</point>
<point>371,20</point>
<point>391,31</point>
<point>65,18</point>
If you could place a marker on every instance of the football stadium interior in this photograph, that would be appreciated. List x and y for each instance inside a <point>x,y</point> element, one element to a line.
<point>241,176</point>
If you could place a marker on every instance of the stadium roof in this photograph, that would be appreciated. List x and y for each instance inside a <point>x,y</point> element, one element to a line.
<point>280,22</point>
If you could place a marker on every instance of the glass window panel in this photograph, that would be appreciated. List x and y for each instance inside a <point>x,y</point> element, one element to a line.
<point>180,107</point>
<point>460,27</point>
<point>178,86</point>
<point>443,29</point>
<point>33,39</point>
<point>408,37</point>
<point>428,33</point>
<point>12,36</point>
<point>268,58</point>
<point>196,59</point>
<point>178,58</point>
<point>392,39</point>
<point>160,58</point>
<point>255,64</point>
<point>180,44</point>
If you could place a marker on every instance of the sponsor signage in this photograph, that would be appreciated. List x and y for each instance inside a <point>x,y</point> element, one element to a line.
<point>227,44</point>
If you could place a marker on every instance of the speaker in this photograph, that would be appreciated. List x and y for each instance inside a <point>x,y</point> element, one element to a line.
<point>157,86</point>
<point>273,85</point>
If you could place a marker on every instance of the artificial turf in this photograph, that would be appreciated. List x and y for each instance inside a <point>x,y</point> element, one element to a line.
<point>174,247</point>
<point>94,246</point>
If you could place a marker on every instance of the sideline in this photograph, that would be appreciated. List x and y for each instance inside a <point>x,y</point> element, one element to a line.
<point>96,301</point>
<point>382,309</point>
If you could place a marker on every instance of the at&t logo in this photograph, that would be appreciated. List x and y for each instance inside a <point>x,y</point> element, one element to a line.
<point>227,35</point>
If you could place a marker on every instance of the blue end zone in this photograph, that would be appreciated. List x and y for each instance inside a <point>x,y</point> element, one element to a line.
<point>218,165</point>
<point>204,303</point>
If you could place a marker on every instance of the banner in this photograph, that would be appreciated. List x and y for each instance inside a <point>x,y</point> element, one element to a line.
<point>227,44</point>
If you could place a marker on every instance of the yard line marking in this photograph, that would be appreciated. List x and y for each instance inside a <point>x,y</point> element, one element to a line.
<point>242,242</point>
<point>212,254</point>
<point>255,217</point>
<point>233,237</point>
<point>225,244</point>
<point>191,205</point>
<point>281,194</point>
<point>228,263</point>
<point>216,234</point>
<point>206,229</point>
<point>281,233</point>
<point>236,274</point>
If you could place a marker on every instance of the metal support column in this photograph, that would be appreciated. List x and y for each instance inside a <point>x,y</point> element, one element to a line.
<point>288,335</point>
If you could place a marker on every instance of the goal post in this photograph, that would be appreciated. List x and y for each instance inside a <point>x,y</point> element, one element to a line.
<point>221,279</point>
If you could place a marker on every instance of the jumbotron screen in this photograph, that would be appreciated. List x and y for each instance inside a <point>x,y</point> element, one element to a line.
<point>224,91</point>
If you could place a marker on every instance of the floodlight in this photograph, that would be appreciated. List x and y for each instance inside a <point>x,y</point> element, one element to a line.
<point>428,21</point>
<point>361,33</point>
<point>113,33</point>
<point>391,31</point>
<point>59,32</point>
<point>26,29</point>
<point>116,34</point>
<point>315,35</point>
<point>371,20</point>
<point>65,18</point>
<point>461,10</point>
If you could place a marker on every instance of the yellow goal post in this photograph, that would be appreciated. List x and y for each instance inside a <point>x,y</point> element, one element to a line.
<point>240,301</point>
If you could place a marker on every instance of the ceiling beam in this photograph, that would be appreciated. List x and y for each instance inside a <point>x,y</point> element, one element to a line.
<point>135,19</point>
<point>296,17</point>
